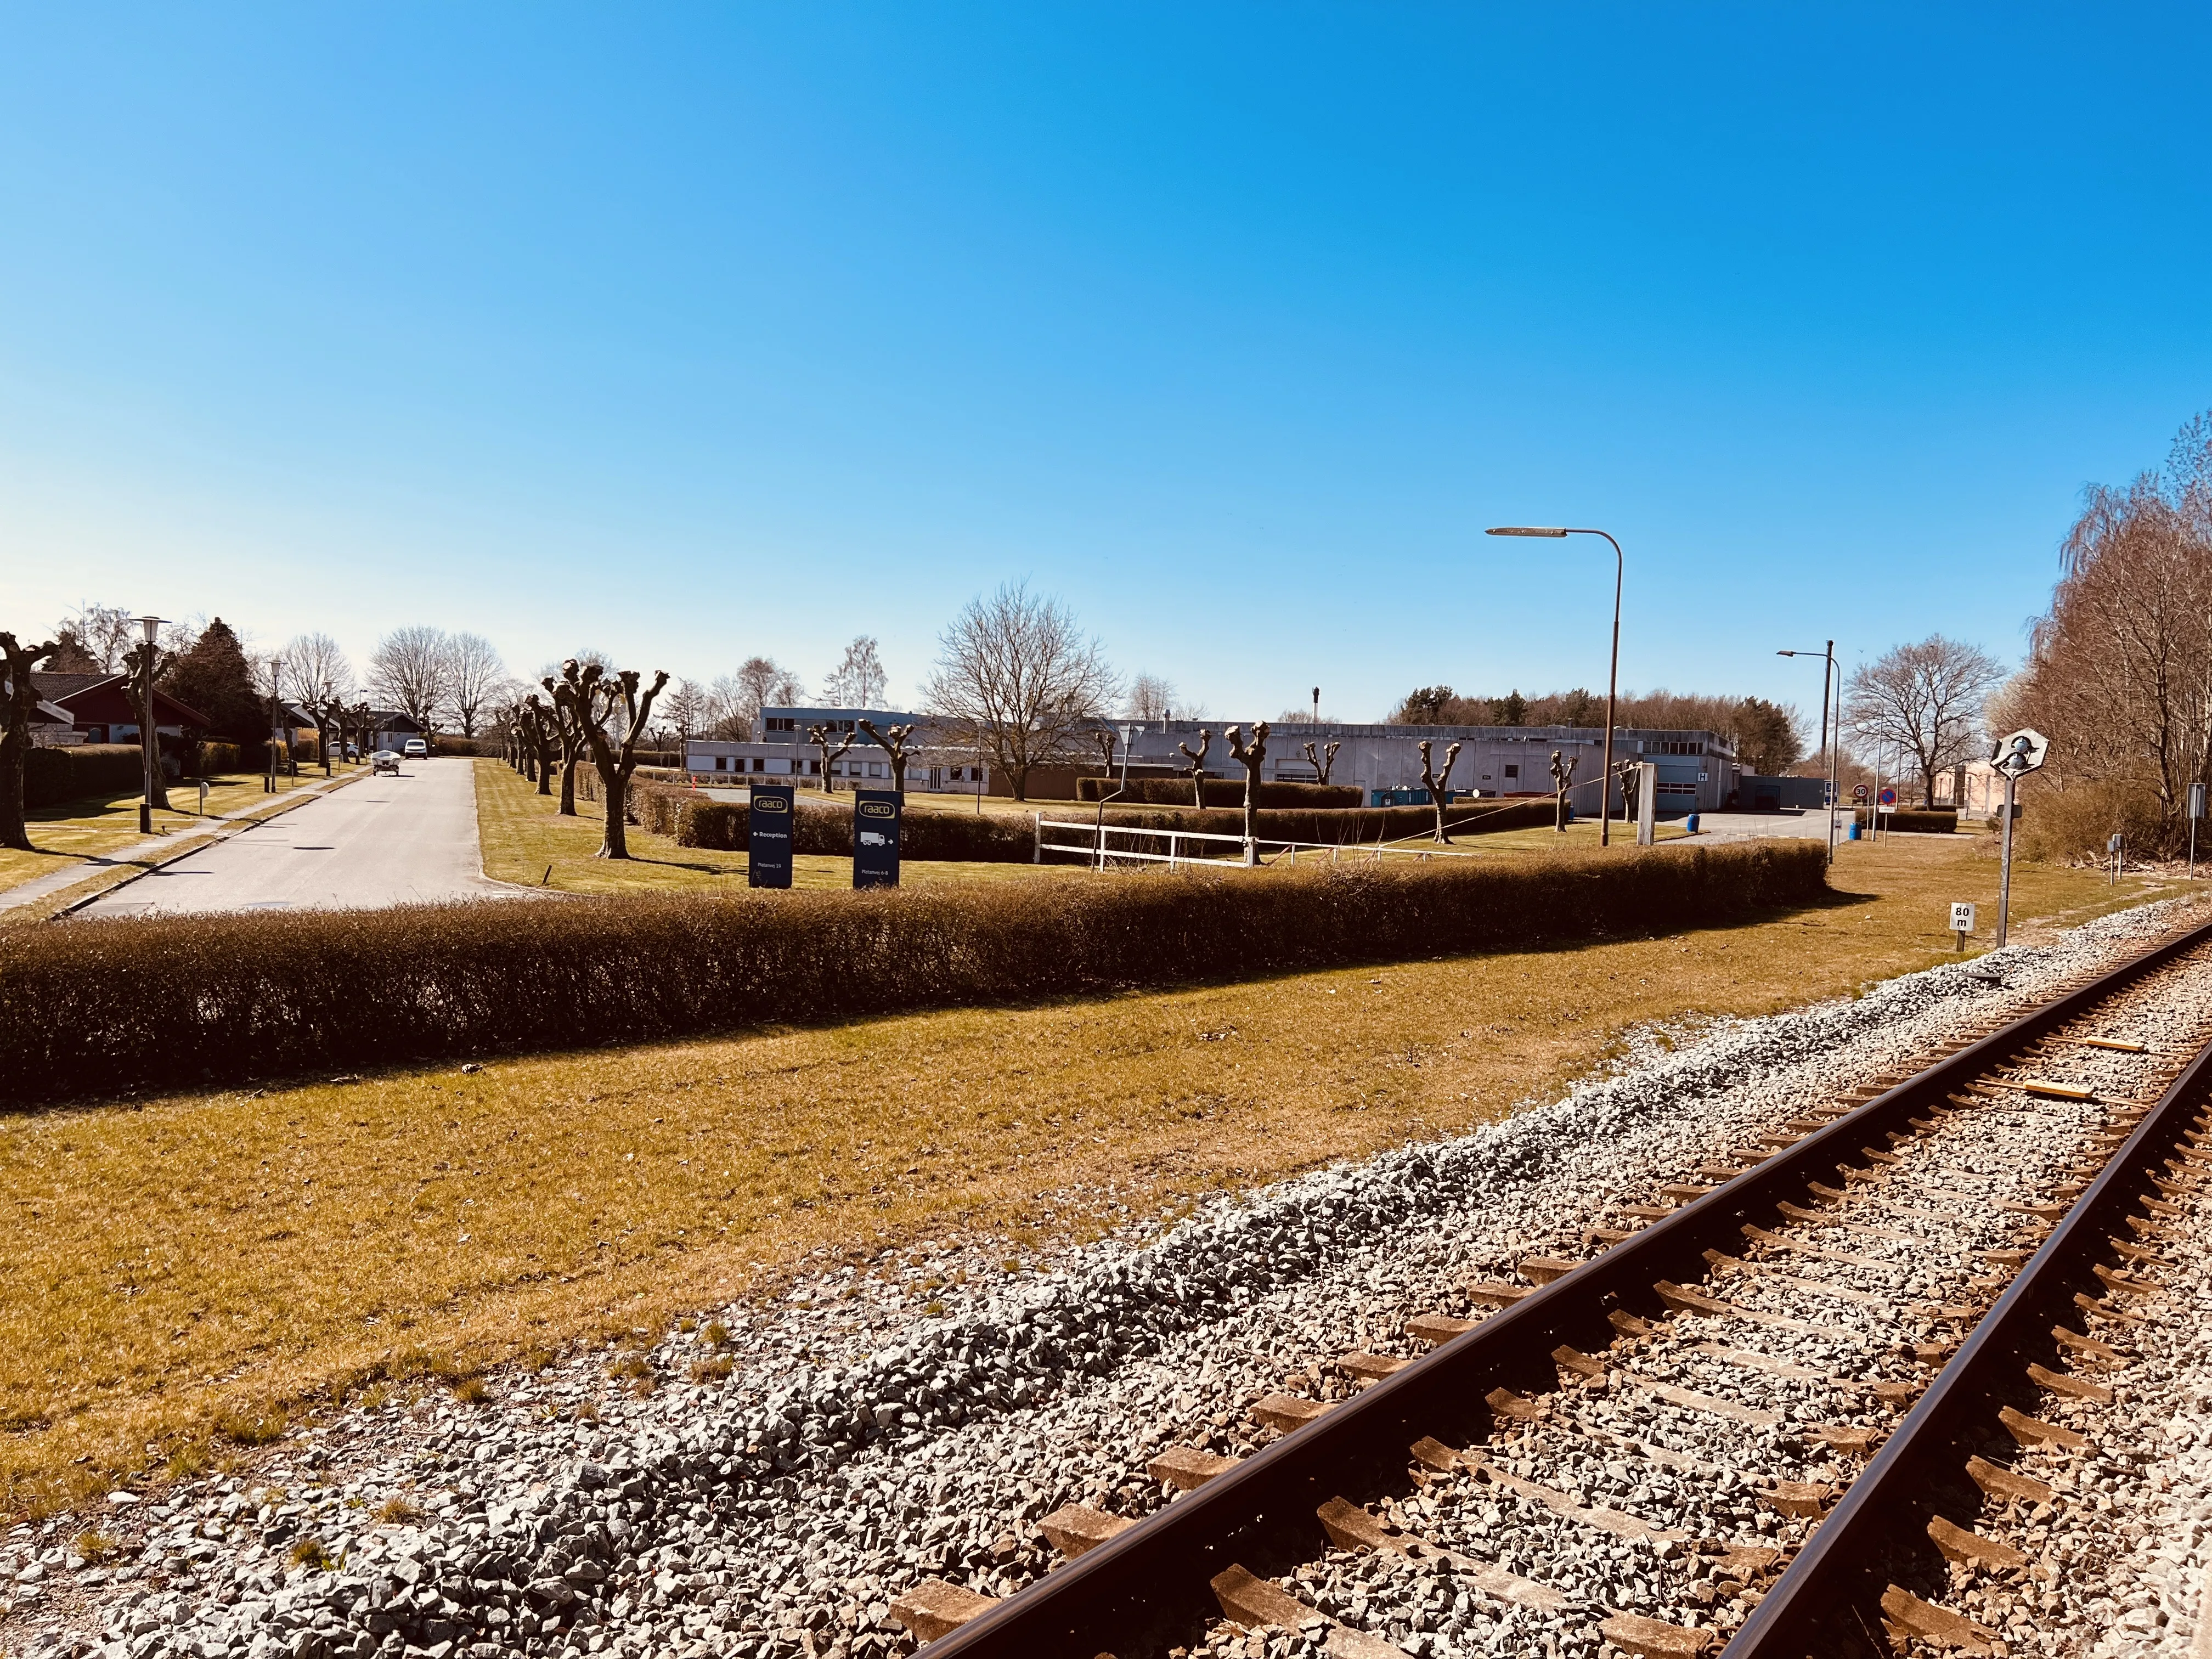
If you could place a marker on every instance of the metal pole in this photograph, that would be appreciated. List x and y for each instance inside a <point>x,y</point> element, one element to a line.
<point>2004,878</point>
<point>1834,776</point>
<point>149,738</point>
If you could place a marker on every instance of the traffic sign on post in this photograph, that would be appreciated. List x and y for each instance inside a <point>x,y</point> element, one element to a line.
<point>767,836</point>
<point>876,837</point>
<point>1888,797</point>
<point>1962,922</point>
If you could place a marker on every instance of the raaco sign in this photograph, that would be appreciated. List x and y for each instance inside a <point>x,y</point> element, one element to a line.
<point>875,838</point>
<point>767,836</point>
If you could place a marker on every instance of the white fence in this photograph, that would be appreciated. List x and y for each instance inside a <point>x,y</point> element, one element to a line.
<point>1096,846</point>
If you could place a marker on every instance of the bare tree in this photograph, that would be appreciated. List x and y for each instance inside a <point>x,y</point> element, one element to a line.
<point>316,670</point>
<point>760,683</point>
<point>19,660</point>
<point>103,632</point>
<point>541,728</point>
<point>1195,765</point>
<point>858,681</point>
<point>1563,779</point>
<point>1252,756</point>
<point>1324,763</point>
<point>329,716</point>
<point>821,736</point>
<point>1925,701</point>
<point>893,741</point>
<point>1151,698</point>
<point>584,694</point>
<point>474,676</point>
<point>1016,678</point>
<point>686,704</point>
<point>1438,785</point>
<point>412,670</point>
<point>568,730</point>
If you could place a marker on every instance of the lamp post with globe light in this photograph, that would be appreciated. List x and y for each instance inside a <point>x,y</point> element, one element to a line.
<point>1613,672</point>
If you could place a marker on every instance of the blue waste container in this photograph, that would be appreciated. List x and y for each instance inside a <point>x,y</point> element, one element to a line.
<point>1691,825</point>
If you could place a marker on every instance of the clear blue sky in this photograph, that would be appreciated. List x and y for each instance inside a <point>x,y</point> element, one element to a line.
<point>695,333</point>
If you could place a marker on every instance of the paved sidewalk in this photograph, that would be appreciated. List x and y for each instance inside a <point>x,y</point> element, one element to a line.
<point>154,848</point>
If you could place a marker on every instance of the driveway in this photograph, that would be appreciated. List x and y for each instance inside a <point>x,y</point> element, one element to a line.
<point>1759,826</point>
<point>381,841</point>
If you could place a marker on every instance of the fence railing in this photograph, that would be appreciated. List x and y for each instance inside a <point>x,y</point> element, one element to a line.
<point>1254,851</point>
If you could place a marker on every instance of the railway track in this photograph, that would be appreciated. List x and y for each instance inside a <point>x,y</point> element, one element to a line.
<point>1819,1398</point>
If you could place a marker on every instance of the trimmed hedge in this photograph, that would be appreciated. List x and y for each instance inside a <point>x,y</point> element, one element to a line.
<point>102,1008</point>
<point>826,826</point>
<point>1221,792</point>
<point>54,776</point>
<point>1907,822</point>
<point>1334,827</point>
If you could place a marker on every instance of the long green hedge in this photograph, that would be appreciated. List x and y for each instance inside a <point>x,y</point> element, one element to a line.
<point>54,776</point>
<point>104,1008</point>
<point>1908,821</point>
<point>1333,828</point>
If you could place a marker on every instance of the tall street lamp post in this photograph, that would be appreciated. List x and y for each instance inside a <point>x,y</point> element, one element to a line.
<point>1827,675</point>
<point>150,741</point>
<point>1613,672</point>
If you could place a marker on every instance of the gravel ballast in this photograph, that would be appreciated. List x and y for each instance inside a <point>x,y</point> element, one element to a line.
<point>857,1444</point>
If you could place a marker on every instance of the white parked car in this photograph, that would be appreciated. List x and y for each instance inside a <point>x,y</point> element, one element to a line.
<point>417,749</point>
<point>387,760</point>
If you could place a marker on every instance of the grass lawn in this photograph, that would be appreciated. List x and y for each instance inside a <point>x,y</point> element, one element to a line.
<point>525,840</point>
<point>175,1265</point>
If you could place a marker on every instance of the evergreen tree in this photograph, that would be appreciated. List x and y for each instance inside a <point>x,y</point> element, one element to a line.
<point>213,677</point>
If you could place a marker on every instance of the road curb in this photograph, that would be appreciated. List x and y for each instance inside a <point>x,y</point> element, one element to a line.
<point>237,827</point>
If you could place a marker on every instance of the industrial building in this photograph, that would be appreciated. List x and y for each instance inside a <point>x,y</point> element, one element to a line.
<point>1696,771</point>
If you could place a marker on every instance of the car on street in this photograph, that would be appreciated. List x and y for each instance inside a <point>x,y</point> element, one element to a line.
<point>387,760</point>
<point>417,749</point>
<point>353,751</point>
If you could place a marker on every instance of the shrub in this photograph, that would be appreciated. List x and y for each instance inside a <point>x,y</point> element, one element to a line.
<point>2072,824</point>
<point>54,776</point>
<point>1340,828</point>
<point>214,759</point>
<point>1221,792</point>
<point>107,1006</point>
<point>1910,821</point>
<point>825,825</point>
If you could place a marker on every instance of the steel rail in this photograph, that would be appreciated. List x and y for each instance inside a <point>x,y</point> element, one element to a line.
<point>1838,1579</point>
<point>1154,1578</point>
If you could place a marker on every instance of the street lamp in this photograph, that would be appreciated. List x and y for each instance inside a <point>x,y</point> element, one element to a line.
<point>1826,674</point>
<point>1612,673</point>
<point>148,740</point>
<point>276,715</point>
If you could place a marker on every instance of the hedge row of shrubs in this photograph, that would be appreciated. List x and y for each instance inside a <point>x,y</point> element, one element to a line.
<point>1219,792</point>
<point>825,824</point>
<point>1912,822</point>
<point>102,1008</point>
<point>52,776</point>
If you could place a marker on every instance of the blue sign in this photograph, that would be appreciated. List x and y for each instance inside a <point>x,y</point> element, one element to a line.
<point>767,836</point>
<point>876,837</point>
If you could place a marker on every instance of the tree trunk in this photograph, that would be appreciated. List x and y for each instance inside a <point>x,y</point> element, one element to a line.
<point>614,791</point>
<point>567,786</point>
<point>14,743</point>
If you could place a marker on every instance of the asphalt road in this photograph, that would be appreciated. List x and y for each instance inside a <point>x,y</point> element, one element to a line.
<point>380,842</point>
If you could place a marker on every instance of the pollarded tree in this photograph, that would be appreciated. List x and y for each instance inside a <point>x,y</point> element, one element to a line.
<point>1252,756</point>
<point>16,736</point>
<point>821,737</point>
<point>568,730</point>
<point>1563,779</point>
<point>146,663</point>
<point>1438,785</point>
<point>893,741</point>
<point>1195,765</point>
<point>1324,763</point>
<point>583,694</point>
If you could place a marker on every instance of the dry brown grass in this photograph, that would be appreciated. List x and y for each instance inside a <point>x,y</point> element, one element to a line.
<point>187,1271</point>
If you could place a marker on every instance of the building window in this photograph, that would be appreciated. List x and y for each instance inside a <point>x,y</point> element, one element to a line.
<point>759,765</point>
<point>721,764</point>
<point>1512,771</point>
